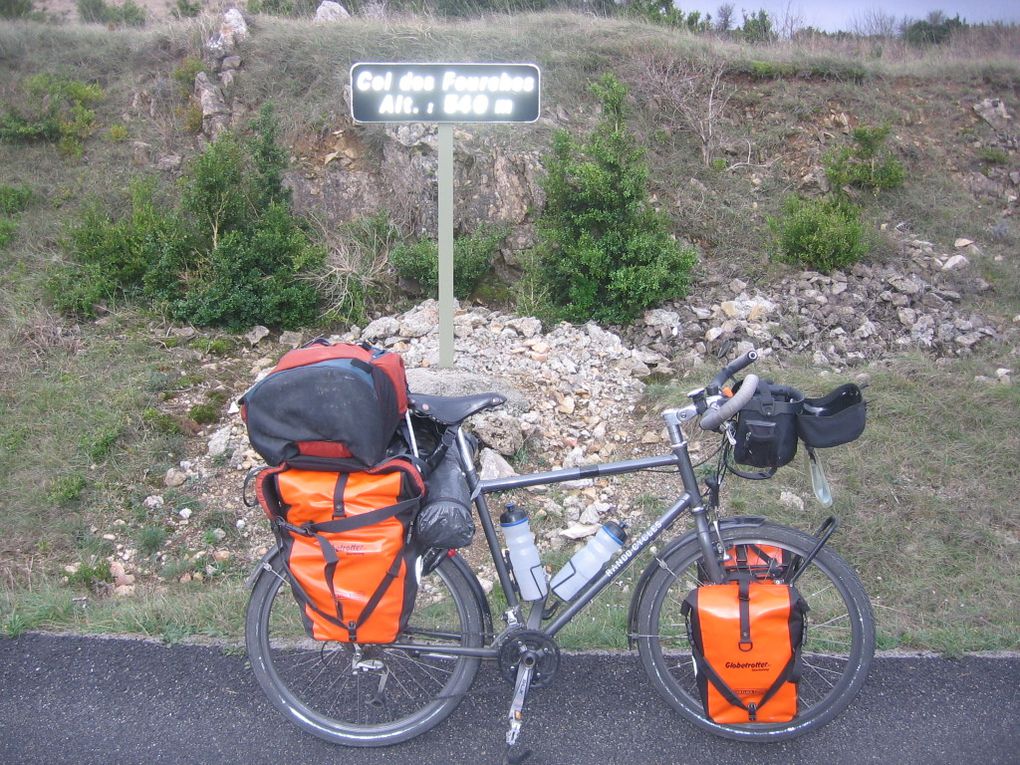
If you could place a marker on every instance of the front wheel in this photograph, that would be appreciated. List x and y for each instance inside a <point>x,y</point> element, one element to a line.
<point>840,638</point>
<point>365,695</point>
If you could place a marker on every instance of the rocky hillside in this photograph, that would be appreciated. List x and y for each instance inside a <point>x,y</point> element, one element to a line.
<point>934,309</point>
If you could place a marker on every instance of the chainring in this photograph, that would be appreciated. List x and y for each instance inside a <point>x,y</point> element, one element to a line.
<point>520,642</point>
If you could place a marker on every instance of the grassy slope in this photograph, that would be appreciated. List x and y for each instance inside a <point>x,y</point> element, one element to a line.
<point>927,497</point>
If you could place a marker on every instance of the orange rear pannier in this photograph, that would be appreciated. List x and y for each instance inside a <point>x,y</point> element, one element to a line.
<point>345,541</point>
<point>746,637</point>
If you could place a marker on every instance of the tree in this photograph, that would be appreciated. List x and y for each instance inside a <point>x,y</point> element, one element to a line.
<point>758,28</point>
<point>724,18</point>
<point>604,252</point>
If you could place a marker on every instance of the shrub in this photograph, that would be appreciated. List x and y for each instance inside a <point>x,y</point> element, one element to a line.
<point>357,270</point>
<point>57,110</point>
<point>820,234</point>
<point>8,229</point>
<point>472,258</point>
<point>92,575</point>
<point>253,276</point>
<point>112,257</point>
<point>118,133</point>
<point>184,9</point>
<point>100,12</point>
<point>232,254</point>
<point>866,164</point>
<point>184,75</point>
<point>604,252</point>
<point>15,9</point>
<point>992,155</point>
<point>151,539</point>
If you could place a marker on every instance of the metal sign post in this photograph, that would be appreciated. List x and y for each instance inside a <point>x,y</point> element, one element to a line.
<point>446,246</point>
<point>445,94</point>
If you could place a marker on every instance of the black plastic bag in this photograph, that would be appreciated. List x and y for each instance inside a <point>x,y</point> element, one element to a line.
<point>445,519</point>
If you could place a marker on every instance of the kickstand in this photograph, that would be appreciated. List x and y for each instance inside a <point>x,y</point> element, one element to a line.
<point>525,670</point>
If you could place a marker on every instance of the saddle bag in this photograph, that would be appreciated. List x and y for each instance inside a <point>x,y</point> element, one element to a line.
<point>766,433</point>
<point>327,406</point>
<point>746,637</point>
<point>445,519</point>
<point>833,419</point>
<point>345,539</point>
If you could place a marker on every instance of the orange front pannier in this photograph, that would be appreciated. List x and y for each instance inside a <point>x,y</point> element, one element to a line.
<point>345,541</point>
<point>746,637</point>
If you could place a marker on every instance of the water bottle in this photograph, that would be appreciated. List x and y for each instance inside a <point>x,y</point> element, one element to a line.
<point>589,560</point>
<point>531,577</point>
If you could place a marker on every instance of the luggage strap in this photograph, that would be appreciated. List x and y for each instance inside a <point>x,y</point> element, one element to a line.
<point>329,570</point>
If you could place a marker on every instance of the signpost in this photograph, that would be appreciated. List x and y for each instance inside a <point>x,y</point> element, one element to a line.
<point>445,94</point>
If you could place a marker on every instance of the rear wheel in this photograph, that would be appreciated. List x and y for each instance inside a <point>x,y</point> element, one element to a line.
<point>370,695</point>
<point>840,638</point>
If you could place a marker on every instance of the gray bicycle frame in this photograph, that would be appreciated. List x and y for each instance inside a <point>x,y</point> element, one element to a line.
<point>679,458</point>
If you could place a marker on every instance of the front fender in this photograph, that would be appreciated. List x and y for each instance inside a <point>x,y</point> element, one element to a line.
<point>750,521</point>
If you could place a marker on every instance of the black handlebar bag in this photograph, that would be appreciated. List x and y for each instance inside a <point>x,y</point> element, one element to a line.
<point>833,419</point>
<point>766,433</point>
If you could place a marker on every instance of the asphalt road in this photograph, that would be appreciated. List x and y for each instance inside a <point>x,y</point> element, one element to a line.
<point>111,701</point>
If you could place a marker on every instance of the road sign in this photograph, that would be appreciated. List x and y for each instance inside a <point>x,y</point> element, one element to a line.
<point>445,92</point>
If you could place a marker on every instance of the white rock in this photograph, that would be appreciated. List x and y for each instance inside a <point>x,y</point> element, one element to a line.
<point>218,534</point>
<point>153,502</point>
<point>291,339</point>
<point>381,328</point>
<point>175,477</point>
<point>329,11</point>
<point>219,441</point>
<point>494,466</point>
<point>956,263</point>
<point>579,530</point>
<point>962,242</point>
<point>185,513</point>
<point>791,500</point>
<point>257,334</point>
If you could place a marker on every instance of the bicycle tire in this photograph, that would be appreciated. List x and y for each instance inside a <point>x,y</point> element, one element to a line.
<point>837,655</point>
<point>391,695</point>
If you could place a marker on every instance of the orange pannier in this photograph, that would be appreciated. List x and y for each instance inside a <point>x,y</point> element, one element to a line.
<point>746,637</point>
<point>345,539</point>
<point>762,561</point>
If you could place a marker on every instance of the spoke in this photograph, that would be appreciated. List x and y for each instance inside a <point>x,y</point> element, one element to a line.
<point>833,620</point>
<point>427,669</point>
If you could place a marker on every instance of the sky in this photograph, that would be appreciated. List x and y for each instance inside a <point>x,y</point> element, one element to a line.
<point>832,16</point>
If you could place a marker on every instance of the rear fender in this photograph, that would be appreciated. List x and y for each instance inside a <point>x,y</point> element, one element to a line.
<point>748,521</point>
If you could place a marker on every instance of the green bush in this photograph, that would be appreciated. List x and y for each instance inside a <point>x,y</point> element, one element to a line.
<point>472,259</point>
<point>184,75</point>
<point>822,234</point>
<point>151,539</point>
<point>15,9</point>
<point>56,109</point>
<point>604,252</point>
<point>8,229</point>
<point>231,254</point>
<point>866,164</point>
<point>112,257</point>
<point>128,14</point>
<point>184,9</point>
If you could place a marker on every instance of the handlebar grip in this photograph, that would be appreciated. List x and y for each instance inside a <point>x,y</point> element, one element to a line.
<point>733,367</point>
<point>713,418</point>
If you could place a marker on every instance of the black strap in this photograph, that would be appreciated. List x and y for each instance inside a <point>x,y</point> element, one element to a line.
<point>351,522</point>
<point>384,585</point>
<point>338,495</point>
<point>744,600</point>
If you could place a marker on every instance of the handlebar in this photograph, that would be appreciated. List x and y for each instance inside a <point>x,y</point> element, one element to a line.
<point>713,418</point>
<point>732,368</point>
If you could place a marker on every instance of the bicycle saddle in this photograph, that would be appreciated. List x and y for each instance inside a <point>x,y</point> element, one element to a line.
<point>451,410</point>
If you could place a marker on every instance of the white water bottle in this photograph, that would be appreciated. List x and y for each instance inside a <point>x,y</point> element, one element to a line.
<point>531,577</point>
<point>589,560</point>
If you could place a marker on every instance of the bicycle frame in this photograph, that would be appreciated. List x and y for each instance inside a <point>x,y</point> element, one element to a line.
<point>679,458</point>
